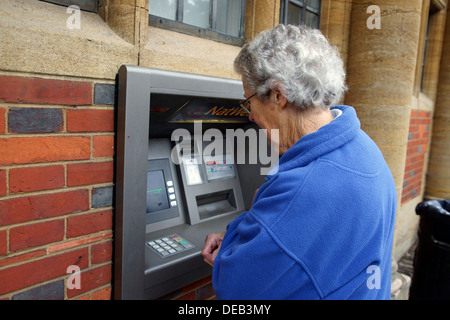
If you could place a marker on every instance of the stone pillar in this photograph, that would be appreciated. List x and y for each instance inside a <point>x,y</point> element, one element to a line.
<point>335,23</point>
<point>381,65</point>
<point>434,53</point>
<point>128,18</point>
<point>260,15</point>
<point>438,178</point>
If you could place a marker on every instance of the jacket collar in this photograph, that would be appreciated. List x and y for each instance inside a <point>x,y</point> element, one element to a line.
<point>323,141</point>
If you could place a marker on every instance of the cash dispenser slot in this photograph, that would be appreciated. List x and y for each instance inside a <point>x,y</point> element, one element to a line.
<point>213,204</point>
<point>172,192</point>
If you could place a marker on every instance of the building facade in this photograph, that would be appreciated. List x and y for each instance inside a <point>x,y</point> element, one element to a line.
<point>58,68</point>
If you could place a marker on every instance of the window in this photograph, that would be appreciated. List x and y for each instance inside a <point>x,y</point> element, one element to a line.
<point>220,20</point>
<point>425,54</point>
<point>436,6</point>
<point>87,5</point>
<point>301,12</point>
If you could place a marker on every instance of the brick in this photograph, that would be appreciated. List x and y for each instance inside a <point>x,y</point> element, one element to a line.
<point>44,91</point>
<point>197,284</point>
<point>2,182</point>
<point>420,114</point>
<point>411,187</point>
<point>103,146</point>
<point>90,120</point>
<point>415,180</point>
<point>188,296</point>
<point>50,291</point>
<point>101,252</point>
<point>411,150</point>
<point>416,158</point>
<point>91,279</point>
<point>3,242</point>
<point>419,135</point>
<point>102,197</point>
<point>36,178</point>
<point>32,208</point>
<point>414,166</point>
<point>35,120</point>
<point>78,242</point>
<point>205,292</point>
<point>104,93</point>
<point>405,198</point>
<point>411,193</point>
<point>420,121</point>
<point>22,257</point>
<point>416,128</point>
<point>90,173</point>
<point>2,121</point>
<point>102,294</point>
<point>36,234</point>
<point>36,271</point>
<point>43,149</point>
<point>89,223</point>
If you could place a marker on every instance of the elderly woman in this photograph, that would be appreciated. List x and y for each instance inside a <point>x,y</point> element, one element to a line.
<point>322,225</point>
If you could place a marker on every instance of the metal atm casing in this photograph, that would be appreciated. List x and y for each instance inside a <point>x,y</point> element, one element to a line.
<point>133,279</point>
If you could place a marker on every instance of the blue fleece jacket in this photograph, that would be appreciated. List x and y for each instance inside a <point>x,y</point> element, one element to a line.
<point>320,228</point>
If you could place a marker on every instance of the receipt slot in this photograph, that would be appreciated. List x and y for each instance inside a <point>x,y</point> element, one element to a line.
<point>177,178</point>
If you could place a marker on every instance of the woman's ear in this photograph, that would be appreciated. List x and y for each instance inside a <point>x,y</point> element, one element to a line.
<point>277,97</point>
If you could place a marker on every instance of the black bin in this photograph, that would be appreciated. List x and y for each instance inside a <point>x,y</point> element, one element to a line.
<point>431,277</point>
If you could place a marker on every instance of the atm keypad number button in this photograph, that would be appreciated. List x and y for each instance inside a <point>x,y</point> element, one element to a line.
<point>170,245</point>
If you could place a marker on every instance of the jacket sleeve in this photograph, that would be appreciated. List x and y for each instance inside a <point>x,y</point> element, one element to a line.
<point>251,265</point>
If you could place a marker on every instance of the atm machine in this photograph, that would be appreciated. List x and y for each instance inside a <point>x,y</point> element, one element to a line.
<point>176,180</point>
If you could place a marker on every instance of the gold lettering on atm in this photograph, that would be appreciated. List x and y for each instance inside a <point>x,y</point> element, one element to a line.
<point>227,112</point>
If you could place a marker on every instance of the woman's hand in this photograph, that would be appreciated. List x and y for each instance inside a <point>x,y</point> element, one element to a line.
<point>213,242</point>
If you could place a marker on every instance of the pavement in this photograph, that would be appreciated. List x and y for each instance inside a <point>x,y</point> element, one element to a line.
<point>402,275</point>
<point>405,264</point>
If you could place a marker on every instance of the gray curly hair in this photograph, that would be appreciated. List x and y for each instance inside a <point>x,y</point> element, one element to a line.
<point>296,60</point>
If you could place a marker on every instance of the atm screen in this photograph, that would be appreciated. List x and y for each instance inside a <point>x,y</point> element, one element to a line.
<point>192,170</point>
<point>156,191</point>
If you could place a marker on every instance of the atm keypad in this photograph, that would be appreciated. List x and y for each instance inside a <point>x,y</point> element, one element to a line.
<point>169,245</point>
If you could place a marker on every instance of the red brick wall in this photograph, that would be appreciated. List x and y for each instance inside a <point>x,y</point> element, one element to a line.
<point>56,190</point>
<point>56,187</point>
<point>419,129</point>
